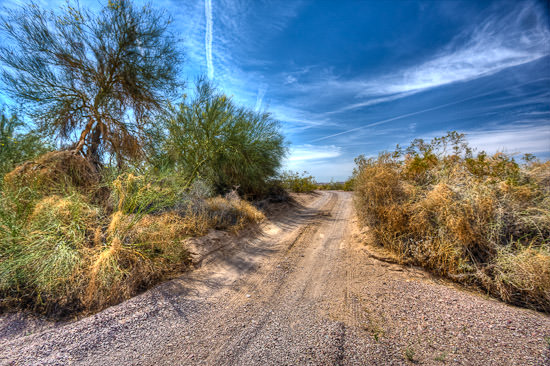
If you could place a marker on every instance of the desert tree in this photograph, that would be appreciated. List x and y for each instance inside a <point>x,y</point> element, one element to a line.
<point>211,137</point>
<point>92,80</point>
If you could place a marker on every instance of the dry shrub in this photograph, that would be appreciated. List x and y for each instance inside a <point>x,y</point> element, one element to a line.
<point>196,221</point>
<point>523,276</point>
<point>140,251</point>
<point>481,220</point>
<point>379,195</point>
<point>53,172</point>
<point>114,275</point>
<point>63,251</point>
<point>540,174</point>
<point>231,212</point>
<point>458,219</point>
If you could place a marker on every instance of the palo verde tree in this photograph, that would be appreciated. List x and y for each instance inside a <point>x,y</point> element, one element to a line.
<point>93,80</point>
<point>209,136</point>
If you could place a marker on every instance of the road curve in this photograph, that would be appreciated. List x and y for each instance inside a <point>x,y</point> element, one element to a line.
<point>301,290</point>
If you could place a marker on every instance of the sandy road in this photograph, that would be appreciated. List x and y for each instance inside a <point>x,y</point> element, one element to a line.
<point>301,290</point>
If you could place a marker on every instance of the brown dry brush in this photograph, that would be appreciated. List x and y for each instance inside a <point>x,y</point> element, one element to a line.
<point>480,220</point>
<point>70,242</point>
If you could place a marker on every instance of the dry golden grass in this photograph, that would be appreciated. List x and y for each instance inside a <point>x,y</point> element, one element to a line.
<point>232,213</point>
<point>481,220</point>
<point>53,172</point>
<point>522,276</point>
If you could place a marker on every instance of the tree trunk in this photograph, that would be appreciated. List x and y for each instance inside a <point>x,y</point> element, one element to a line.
<point>80,146</point>
<point>93,150</point>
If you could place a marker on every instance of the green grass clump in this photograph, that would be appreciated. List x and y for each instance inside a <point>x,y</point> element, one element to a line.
<point>478,219</point>
<point>42,257</point>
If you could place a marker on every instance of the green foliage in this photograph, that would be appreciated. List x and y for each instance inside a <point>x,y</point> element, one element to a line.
<point>295,182</point>
<point>42,252</point>
<point>16,146</point>
<point>142,194</point>
<point>210,137</point>
<point>96,76</point>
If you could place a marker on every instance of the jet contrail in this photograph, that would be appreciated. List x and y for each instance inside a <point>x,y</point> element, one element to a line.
<point>422,111</point>
<point>208,38</point>
<point>260,96</point>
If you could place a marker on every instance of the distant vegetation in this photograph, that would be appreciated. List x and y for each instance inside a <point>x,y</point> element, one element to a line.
<point>299,183</point>
<point>337,186</point>
<point>139,170</point>
<point>303,183</point>
<point>479,219</point>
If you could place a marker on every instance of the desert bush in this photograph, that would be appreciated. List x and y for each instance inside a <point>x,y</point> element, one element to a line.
<point>42,259</point>
<point>212,138</point>
<point>296,182</point>
<point>479,219</point>
<point>230,212</point>
<point>522,275</point>
<point>63,250</point>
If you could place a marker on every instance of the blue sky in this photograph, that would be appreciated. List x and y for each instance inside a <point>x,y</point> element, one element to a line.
<point>357,77</point>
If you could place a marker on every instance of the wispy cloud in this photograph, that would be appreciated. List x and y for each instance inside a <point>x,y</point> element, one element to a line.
<point>323,161</point>
<point>290,79</point>
<point>512,139</point>
<point>208,38</point>
<point>308,152</point>
<point>495,44</point>
<point>260,96</point>
<point>370,102</point>
<point>298,120</point>
<point>406,115</point>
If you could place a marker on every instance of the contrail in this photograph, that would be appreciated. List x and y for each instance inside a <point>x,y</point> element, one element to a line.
<point>422,111</point>
<point>260,97</point>
<point>208,38</point>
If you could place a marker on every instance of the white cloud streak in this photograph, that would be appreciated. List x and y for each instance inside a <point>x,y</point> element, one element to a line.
<point>260,96</point>
<point>308,152</point>
<point>522,139</point>
<point>208,38</point>
<point>441,106</point>
<point>494,45</point>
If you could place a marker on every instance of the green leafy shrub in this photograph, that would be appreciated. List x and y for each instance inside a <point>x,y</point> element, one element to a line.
<point>210,137</point>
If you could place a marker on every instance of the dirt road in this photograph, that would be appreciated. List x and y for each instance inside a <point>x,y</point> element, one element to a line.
<point>301,290</point>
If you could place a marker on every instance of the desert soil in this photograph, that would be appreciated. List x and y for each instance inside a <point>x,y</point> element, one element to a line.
<point>301,289</point>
